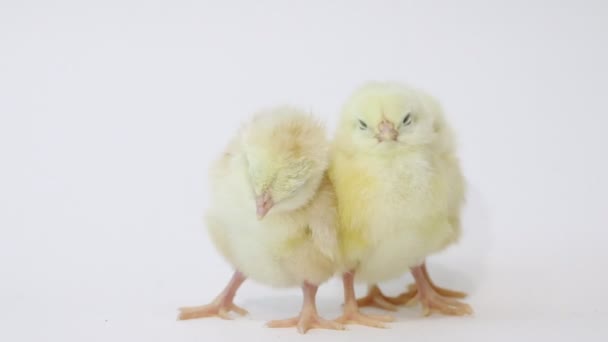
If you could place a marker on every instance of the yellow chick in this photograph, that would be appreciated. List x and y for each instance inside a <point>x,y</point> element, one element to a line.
<point>400,190</point>
<point>273,213</point>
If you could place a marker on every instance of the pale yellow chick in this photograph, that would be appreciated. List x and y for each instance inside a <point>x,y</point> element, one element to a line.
<point>400,191</point>
<point>273,213</point>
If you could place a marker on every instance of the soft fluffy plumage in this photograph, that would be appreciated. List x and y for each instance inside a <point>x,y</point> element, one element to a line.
<point>273,212</point>
<point>399,202</point>
<point>285,152</point>
<point>399,193</point>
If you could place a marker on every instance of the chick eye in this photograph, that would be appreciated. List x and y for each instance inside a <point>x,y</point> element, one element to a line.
<point>362,124</point>
<point>407,119</point>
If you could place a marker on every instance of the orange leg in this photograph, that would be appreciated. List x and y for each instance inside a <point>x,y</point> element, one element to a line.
<point>308,318</point>
<point>434,299</point>
<point>351,313</point>
<point>439,290</point>
<point>220,306</point>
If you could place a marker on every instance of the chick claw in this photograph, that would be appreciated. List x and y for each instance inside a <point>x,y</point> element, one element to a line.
<point>305,322</point>
<point>217,308</point>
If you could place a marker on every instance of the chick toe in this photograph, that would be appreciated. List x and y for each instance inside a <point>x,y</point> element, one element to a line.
<point>217,309</point>
<point>354,316</point>
<point>221,306</point>
<point>432,300</point>
<point>375,298</point>
<point>444,305</point>
<point>308,317</point>
<point>305,322</point>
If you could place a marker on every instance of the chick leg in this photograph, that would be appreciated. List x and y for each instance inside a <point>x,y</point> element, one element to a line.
<point>220,306</point>
<point>412,289</point>
<point>308,318</point>
<point>351,313</point>
<point>411,294</point>
<point>432,300</point>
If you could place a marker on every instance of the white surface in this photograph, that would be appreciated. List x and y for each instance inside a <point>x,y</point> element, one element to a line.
<point>112,111</point>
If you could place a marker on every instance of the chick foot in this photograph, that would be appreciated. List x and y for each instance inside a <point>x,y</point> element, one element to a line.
<point>412,292</point>
<point>375,298</point>
<point>433,300</point>
<point>412,288</point>
<point>221,305</point>
<point>351,314</point>
<point>217,308</point>
<point>308,318</point>
<point>410,297</point>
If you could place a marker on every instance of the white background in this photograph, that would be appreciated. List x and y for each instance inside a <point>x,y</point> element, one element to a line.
<point>111,112</point>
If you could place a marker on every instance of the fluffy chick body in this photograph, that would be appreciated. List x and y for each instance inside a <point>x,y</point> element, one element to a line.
<point>296,241</point>
<point>399,201</point>
<point>394,211</point>
<point>279,251</point>
<point>273,213</point>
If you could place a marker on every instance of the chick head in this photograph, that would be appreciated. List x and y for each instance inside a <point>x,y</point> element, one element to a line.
<point>286,155</point>
<point>388,115</point>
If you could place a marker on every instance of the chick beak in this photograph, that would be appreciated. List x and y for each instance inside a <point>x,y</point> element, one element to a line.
<point>263,204</point>
<point>387,131</point>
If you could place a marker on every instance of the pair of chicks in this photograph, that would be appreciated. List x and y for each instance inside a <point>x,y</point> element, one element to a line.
<point>289,208</point>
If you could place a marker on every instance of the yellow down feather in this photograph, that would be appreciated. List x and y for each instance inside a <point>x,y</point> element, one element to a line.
<point>398,201</point>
